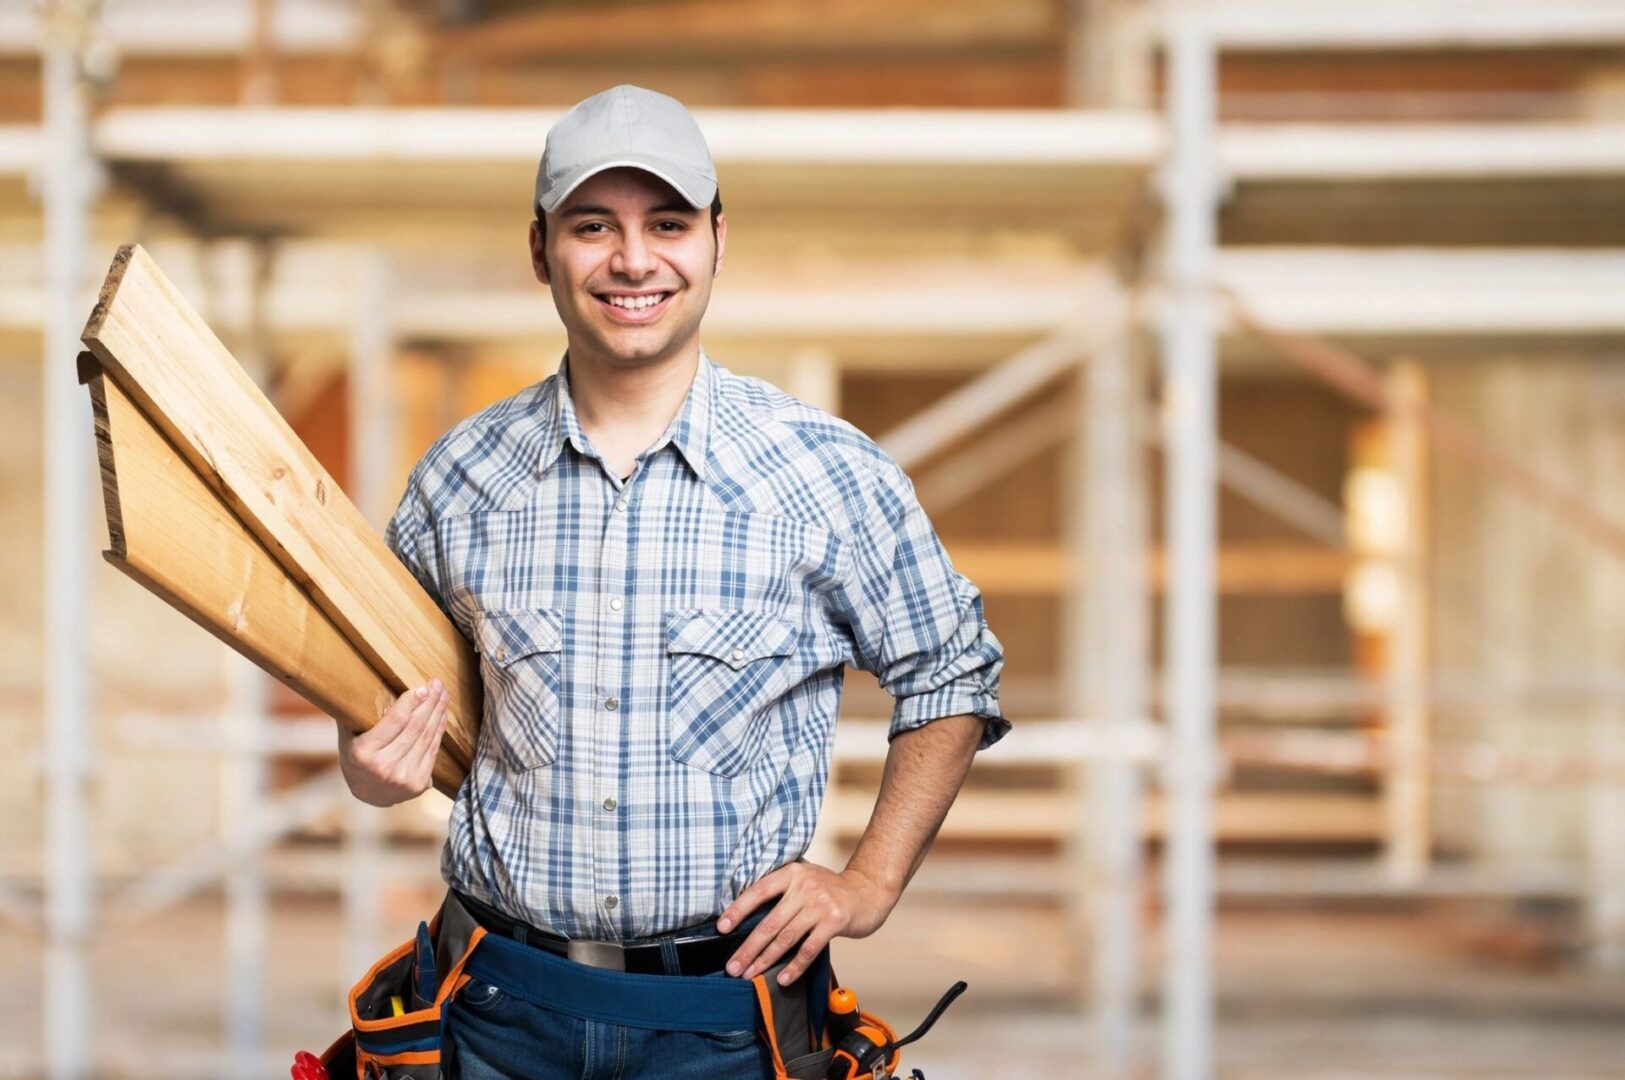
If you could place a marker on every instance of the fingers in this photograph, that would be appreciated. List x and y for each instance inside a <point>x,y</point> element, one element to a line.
<point>388,749</point>
<point>745,960</point>
<point>797,927</point>
<point>395,717</point>
<point>419,763</point>
<point>751,898</point>
<point>820,936</point>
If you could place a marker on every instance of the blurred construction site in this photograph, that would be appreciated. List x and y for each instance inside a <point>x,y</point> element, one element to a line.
<point>1262,361</point>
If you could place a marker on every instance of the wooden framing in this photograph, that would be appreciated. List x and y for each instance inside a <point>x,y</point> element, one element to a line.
<point>179,376</point>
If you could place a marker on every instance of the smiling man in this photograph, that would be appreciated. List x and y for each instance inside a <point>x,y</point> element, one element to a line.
<point>666,568</point>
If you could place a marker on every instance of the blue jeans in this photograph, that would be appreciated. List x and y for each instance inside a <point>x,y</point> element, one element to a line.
<point>528,1013</point>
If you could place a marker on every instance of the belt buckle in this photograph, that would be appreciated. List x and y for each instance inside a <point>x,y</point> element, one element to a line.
<point>610,955</point>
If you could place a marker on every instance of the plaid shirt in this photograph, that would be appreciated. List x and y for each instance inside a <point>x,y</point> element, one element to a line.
<point>663,656</point>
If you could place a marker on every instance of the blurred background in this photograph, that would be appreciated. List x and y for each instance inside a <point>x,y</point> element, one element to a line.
<point>1263,362</point>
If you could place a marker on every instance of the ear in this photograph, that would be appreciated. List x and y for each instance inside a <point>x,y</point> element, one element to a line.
<point>538,255</point>
<point>722,241</point>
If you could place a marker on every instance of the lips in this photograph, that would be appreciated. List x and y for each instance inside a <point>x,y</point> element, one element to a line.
<point>634,315</point>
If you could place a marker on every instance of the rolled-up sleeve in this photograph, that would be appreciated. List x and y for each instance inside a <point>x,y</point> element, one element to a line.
<point>917,623</point>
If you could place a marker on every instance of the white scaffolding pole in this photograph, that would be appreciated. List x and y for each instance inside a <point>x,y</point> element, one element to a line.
<point>1190,361</point>
<point>244,788</point>
<point>371,411</point>
<point>65,187</point>
<point>1407,794</point>
<point>1116,591</point>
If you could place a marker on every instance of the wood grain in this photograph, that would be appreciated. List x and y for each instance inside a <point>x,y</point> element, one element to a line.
<point>156,347</point>
<point>169,532</point>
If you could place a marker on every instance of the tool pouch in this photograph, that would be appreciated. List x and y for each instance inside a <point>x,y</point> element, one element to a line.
<point>794,1023</point>
<point>383,1046</point>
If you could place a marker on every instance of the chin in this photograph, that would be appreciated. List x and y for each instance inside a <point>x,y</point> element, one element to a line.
<point>634,352</point>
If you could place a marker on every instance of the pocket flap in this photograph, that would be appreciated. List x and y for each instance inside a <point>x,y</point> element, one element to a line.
<point>506,636</point>
<point>734,637</point>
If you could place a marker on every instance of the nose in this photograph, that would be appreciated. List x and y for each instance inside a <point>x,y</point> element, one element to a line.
<point>633,259</point>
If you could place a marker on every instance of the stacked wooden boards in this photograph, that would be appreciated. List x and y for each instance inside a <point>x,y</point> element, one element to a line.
<point>215,505</point>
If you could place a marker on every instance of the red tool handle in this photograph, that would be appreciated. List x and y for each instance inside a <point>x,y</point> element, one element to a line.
<point>307,1066</point>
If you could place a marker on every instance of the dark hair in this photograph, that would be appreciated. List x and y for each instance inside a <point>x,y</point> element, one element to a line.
<point>541,223</point>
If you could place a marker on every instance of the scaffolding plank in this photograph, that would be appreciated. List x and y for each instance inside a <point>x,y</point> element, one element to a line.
<point>1011,816</point>
<point>169,532</point>
<point>159,350</point>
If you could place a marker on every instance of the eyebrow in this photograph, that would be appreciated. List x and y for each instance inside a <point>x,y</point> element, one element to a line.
<point>590,209</point>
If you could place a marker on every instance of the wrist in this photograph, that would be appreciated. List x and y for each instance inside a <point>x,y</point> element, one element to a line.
<point>885,889</point>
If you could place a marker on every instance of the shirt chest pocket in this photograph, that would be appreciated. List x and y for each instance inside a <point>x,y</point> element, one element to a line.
<point>728,668</point>
<point>521,658</point>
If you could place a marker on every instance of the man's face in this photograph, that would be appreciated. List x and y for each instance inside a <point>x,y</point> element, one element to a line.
<point>630,265</point>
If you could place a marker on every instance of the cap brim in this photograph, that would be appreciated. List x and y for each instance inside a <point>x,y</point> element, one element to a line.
<point>697,190</point>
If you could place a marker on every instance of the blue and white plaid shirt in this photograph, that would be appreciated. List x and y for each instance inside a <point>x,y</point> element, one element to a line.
<point>663,657</point>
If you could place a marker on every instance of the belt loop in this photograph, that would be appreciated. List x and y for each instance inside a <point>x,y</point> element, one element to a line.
<point>668,956</point>
<point>521,933</point>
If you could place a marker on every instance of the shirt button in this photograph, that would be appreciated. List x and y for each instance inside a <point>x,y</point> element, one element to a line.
<point>739,654</point>
<point>611,901</point>
<point>612,704</point>
<point>502,654</point>
<point>620,504</point>
<point>615,603</point>
<point>609,803</point>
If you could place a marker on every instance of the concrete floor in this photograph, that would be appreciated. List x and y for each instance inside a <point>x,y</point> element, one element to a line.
<point>1305,992</point>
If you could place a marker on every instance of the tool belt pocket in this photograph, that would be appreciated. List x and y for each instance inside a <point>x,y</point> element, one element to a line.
<point>396,1016</point>
<point>796,1029</point>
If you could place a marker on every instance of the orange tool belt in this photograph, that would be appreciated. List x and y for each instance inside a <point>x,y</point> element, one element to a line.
<point>395,1035</point>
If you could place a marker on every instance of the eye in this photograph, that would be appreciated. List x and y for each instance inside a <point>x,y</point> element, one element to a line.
<point>672,225</point>
<point>589,228</point>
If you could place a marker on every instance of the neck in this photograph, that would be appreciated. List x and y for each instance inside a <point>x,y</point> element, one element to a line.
<point>632,400</point>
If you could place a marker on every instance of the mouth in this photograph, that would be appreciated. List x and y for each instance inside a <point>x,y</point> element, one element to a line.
<point>633,307</point>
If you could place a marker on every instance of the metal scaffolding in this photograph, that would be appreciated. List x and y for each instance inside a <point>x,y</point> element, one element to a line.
<point>1105,736</point>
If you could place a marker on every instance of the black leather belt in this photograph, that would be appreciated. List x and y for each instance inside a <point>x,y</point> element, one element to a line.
<point>697,950</point>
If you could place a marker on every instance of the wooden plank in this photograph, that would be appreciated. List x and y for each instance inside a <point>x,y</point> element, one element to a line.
<point>1049,815</point>
<point>703,29</point>
<point>168,531</point>
<point>1039,568</point>
<point>160,351</point>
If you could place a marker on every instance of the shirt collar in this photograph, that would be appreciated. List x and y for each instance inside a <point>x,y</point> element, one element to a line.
<point>690,432</point>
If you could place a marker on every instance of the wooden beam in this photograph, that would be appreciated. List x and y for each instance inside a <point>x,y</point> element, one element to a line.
<point>709,29</point>
<point>168,531</point>
<point>998,814</point>
<point>1039,568</point>
<point>160,351</point>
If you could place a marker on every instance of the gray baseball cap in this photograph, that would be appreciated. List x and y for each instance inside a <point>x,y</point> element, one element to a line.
<point>626,126</point>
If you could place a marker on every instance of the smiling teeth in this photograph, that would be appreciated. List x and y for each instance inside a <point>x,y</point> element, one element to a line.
<point>636,302</point>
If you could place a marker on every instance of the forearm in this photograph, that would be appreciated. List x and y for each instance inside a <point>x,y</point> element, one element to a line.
<point>925,769</point>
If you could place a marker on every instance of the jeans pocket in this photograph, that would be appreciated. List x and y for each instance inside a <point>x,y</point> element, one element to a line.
<point>727,670</point>
<point>732,1040</point>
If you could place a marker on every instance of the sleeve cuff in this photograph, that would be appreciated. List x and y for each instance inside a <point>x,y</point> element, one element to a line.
<point>917,710</point>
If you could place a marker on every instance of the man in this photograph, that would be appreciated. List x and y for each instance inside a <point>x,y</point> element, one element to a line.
<point>665,568</point>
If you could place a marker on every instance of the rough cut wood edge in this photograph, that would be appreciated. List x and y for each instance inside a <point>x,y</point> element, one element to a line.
<point>174,536</point>
<point>159,350</point>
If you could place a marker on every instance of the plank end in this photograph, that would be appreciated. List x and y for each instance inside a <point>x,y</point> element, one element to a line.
<point>97,385</point>
<point>104,299</point>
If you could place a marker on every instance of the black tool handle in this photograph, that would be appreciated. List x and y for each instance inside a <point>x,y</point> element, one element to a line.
<point>930,1018</point>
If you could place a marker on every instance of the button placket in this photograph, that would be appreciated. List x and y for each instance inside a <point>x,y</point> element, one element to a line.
<point>608,745</point>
